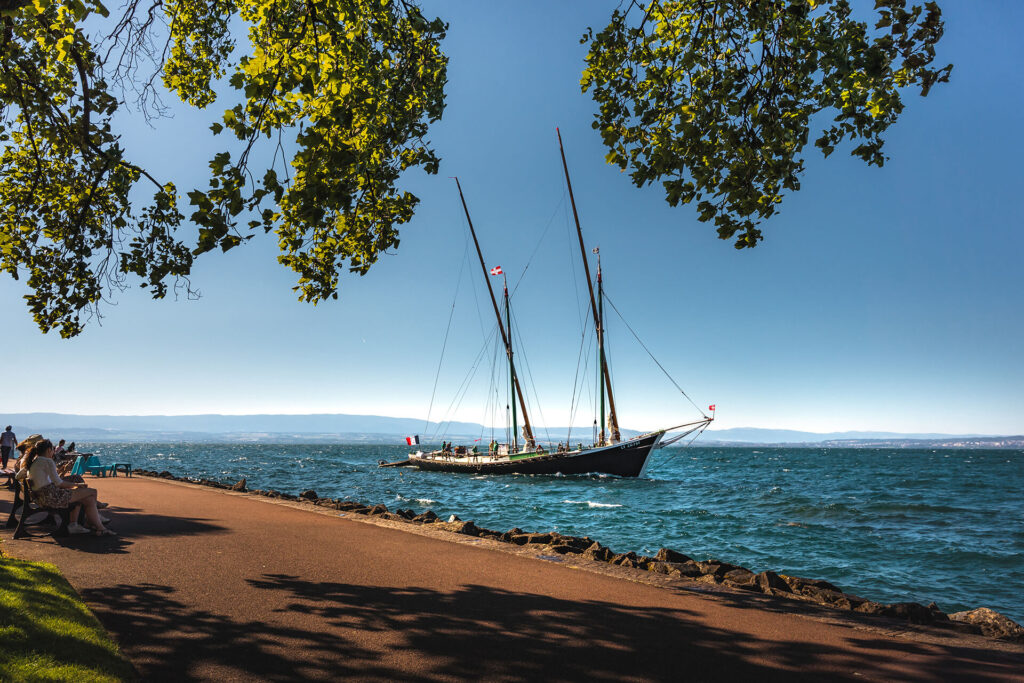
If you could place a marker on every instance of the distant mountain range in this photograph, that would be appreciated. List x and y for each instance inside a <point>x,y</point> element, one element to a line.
<point>748,436</point>
<point>380,429</point>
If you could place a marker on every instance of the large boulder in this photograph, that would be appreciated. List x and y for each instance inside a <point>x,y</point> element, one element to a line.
<point>309,494</point>
<point>741,578</point>
<point>468,528</point>
<point>870,607</point>
<point>668,555</point>
<point>598,552</point>
<point>769,582</point>
<point>428,517</point>
<point>991,623</point>
<point>913,612</point>
<point>564,545</point>
<point>625,559</point>
<point>575,542</point>
<point>239,485</point>
<point>798,584</point>
<point>526,539</point>
<point>716,568</point>
<point>688,569</point>
<point>644,561</point>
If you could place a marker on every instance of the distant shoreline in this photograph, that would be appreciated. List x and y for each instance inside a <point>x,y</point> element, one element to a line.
<point>382,430</point>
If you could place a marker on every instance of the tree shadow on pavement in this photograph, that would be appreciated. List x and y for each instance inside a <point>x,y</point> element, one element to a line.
<point>127,525</point>
<point>338,630</point>
<point>967,659</point>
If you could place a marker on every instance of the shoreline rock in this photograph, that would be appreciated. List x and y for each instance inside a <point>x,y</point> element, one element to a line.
<point>671,563</point>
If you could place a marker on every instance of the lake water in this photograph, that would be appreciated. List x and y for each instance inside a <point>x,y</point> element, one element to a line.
<point>886,524</point>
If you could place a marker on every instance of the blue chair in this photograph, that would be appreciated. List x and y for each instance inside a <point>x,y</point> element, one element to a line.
<point>79,467</point>
<point>92,466</point>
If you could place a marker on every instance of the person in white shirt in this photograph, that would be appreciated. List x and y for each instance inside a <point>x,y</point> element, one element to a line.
<point>52,491</point>
<point>7,443</point>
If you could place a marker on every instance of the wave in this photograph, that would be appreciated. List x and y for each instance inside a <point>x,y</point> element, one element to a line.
<point>592,504</point>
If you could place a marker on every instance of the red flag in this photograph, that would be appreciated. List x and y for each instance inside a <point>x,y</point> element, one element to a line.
<point>496,270</point>
<point>711,407</point>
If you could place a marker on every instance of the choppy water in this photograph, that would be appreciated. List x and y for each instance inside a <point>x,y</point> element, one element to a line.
<point>886,524</point>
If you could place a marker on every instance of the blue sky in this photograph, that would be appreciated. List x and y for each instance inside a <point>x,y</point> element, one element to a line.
<point>881,299</point>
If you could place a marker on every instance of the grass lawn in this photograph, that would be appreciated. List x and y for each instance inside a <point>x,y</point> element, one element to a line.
<point>46,631</point>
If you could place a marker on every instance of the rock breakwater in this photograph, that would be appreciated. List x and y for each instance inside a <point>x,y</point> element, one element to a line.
<point>671,563</point>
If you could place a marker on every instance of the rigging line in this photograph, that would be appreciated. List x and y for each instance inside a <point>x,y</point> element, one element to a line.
<point>499,385</point>
<point>580,315</point>
<point>529,376</point>
<point>652,355</point>
<point>476,296</point>
<point>472,371</point>
<point>585,377</point>
<point>575,381</point>
<point>539,242</point>
<point>464,390</point>
<point>451,314</point>
<point>492,395</point>
<point>679,450</point>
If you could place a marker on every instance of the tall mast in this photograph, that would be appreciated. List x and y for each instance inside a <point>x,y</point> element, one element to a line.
<point>527,431</point>
<point>600,338</point>
<point>593,304</point>
<point>511,370</point>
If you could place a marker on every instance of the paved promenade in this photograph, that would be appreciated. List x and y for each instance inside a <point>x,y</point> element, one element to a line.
<point>208,585</point>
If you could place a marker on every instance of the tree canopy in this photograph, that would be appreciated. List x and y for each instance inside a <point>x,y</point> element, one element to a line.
<point>717,99</point>
<point>714,98</point>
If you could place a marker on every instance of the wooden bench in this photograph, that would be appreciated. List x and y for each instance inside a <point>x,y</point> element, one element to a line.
<point>23,496</point>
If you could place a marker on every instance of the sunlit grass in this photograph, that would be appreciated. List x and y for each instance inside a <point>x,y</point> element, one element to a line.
<point>46,631</point>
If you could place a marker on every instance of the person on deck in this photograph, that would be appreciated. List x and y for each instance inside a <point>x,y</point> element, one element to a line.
<point>7,442</point>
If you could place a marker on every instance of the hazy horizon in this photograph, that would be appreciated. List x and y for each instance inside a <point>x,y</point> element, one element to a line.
<point>385,424</point>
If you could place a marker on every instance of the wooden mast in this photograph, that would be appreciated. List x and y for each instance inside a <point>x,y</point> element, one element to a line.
<point>527,430</point>
<point>616,436</point>
<point>600,339</point>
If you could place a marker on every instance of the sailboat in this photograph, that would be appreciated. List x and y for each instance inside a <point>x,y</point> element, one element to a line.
<point>609,454</point>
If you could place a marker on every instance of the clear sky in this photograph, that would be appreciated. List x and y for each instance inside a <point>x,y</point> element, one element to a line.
<point>881,299</point>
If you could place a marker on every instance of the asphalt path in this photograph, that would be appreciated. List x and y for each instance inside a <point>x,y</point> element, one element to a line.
<point>202,584</point>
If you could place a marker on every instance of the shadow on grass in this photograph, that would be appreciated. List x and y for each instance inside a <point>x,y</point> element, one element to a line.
<point>48,632</point>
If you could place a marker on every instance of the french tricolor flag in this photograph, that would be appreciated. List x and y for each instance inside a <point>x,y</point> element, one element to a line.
<point>413,440</point>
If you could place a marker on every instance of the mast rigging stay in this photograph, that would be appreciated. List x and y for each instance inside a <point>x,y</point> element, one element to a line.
<point>527,430</point>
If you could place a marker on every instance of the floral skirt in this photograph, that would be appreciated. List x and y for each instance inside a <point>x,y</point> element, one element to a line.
<point>52,496</point>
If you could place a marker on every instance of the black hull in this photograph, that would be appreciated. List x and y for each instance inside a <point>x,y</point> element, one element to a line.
<point>627,459</point>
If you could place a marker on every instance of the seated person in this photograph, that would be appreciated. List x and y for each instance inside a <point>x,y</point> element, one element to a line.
<point>50,490</point>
